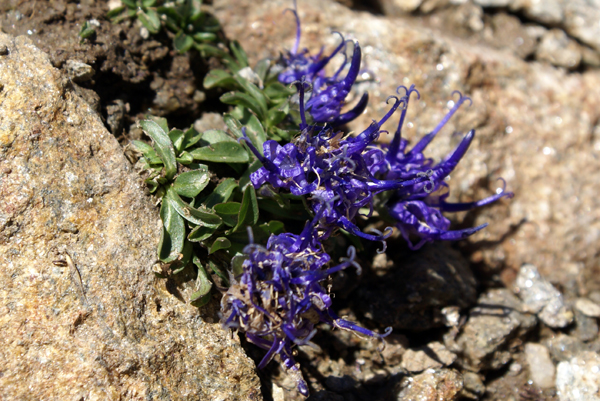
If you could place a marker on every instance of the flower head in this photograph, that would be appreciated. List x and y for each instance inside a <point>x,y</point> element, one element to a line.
<point>329,93</point>
<point>278,298</point>
<point>418,207</point>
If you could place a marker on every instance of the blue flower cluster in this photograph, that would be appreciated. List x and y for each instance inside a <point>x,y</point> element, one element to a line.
<point>278,298</point>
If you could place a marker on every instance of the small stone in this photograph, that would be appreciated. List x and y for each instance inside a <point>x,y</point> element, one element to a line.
<point>398,7</point>
<point>3,50</point>
<point>473,386</point>
<point>541,368</point>
<point>587,307</point>
<point>558,49</point>
<point>495,320</point>
<point>79,71</point>
<point>579,378</point>
<point>563,347</point>
<point>433,355</point>
<point>586,327</point>
<point>539,296</point>
<point>431,385</point>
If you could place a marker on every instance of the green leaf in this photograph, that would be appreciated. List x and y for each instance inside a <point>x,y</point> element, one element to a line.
<point>262,68</point>
<point>221,152</point>
<point>182,42</point>
<point>86,31</point>
<point>185,158</point>
<point>200,233</point>
<point>142,147</point>
<point>239,53</point>
<point>163,145</point>
<point>219,78</point>
<point>196,216</point>
<point>253,91</point>
<point>214,136</point>
<point>190,138</point>
<point>201,296</point>
<point>220,243</point>
<point>161,121</point>
<point>248,210</point>
<point>148,3</point>
<point>244,100</point>
<point>234,125</point>
<point>129,3</point>
<point>228,212</point>
<point>222,193</point>
<point>219,272</point>
<point>114,12</point>
<point>275,116</point>
<point>207,50</point>
<point>186,257</point>
<point>191,183</point>
<point>256,133</point>
<point>150,19</point>
<point>204,37</point>
<point>277,90</point>
<point>237,264</point>
<point>173,233</point>
<point>176,136</point>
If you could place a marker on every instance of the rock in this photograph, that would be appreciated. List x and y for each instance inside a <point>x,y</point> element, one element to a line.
<point>558,49</point>
<point>411,294</point>
<point>473,386</point>
<point>431,385</point>
<point>579,378</point>
<point>209,121</point>
<point>433,355</point>
<point>533,124</point>
<point>587,307</point>
<point>399,7</point>
<point>540,297</point>
<point>563,347</point>
<point>485,339</point>
<point>586,328</point>
<point>541,368</point>
<point>79,71</point>
<point>82,316</point>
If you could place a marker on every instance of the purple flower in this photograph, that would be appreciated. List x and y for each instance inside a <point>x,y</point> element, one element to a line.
<point>335,172</point>
<point>278,299</point>
<point>417,207</point>
<point>329,94</point>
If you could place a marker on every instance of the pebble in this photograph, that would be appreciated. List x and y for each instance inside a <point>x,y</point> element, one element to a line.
<point>79,71</point>
<point>431,385</point>
<point>473,386</point>
<point>563,347</point>
<point>587,307</point>
<point>541,368</point>
<point>579,378</point>
<point>433,355</point>
<point>485,338</point>
<point>540,297</point>
<point>586,327</point>
<point>558,49</point>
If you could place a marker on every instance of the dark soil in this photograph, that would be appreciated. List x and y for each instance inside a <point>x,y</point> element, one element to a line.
<point>136,76</point>
<point>133,76</point>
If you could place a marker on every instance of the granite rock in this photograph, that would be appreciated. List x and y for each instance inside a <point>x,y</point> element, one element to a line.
<point>542,298</point>
<point>485,340</point>
<point>541,368</point>
<point>433,355</point>
<point>82,316</point>
<point>579,378</point>
<point>432,385</point>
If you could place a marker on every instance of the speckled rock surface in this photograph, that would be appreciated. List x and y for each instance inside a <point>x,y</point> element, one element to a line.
<point>81,314</point>
<point>432,385</point>
<point>579,378</point>
<point>537,127</point>
<point>485,340</point>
